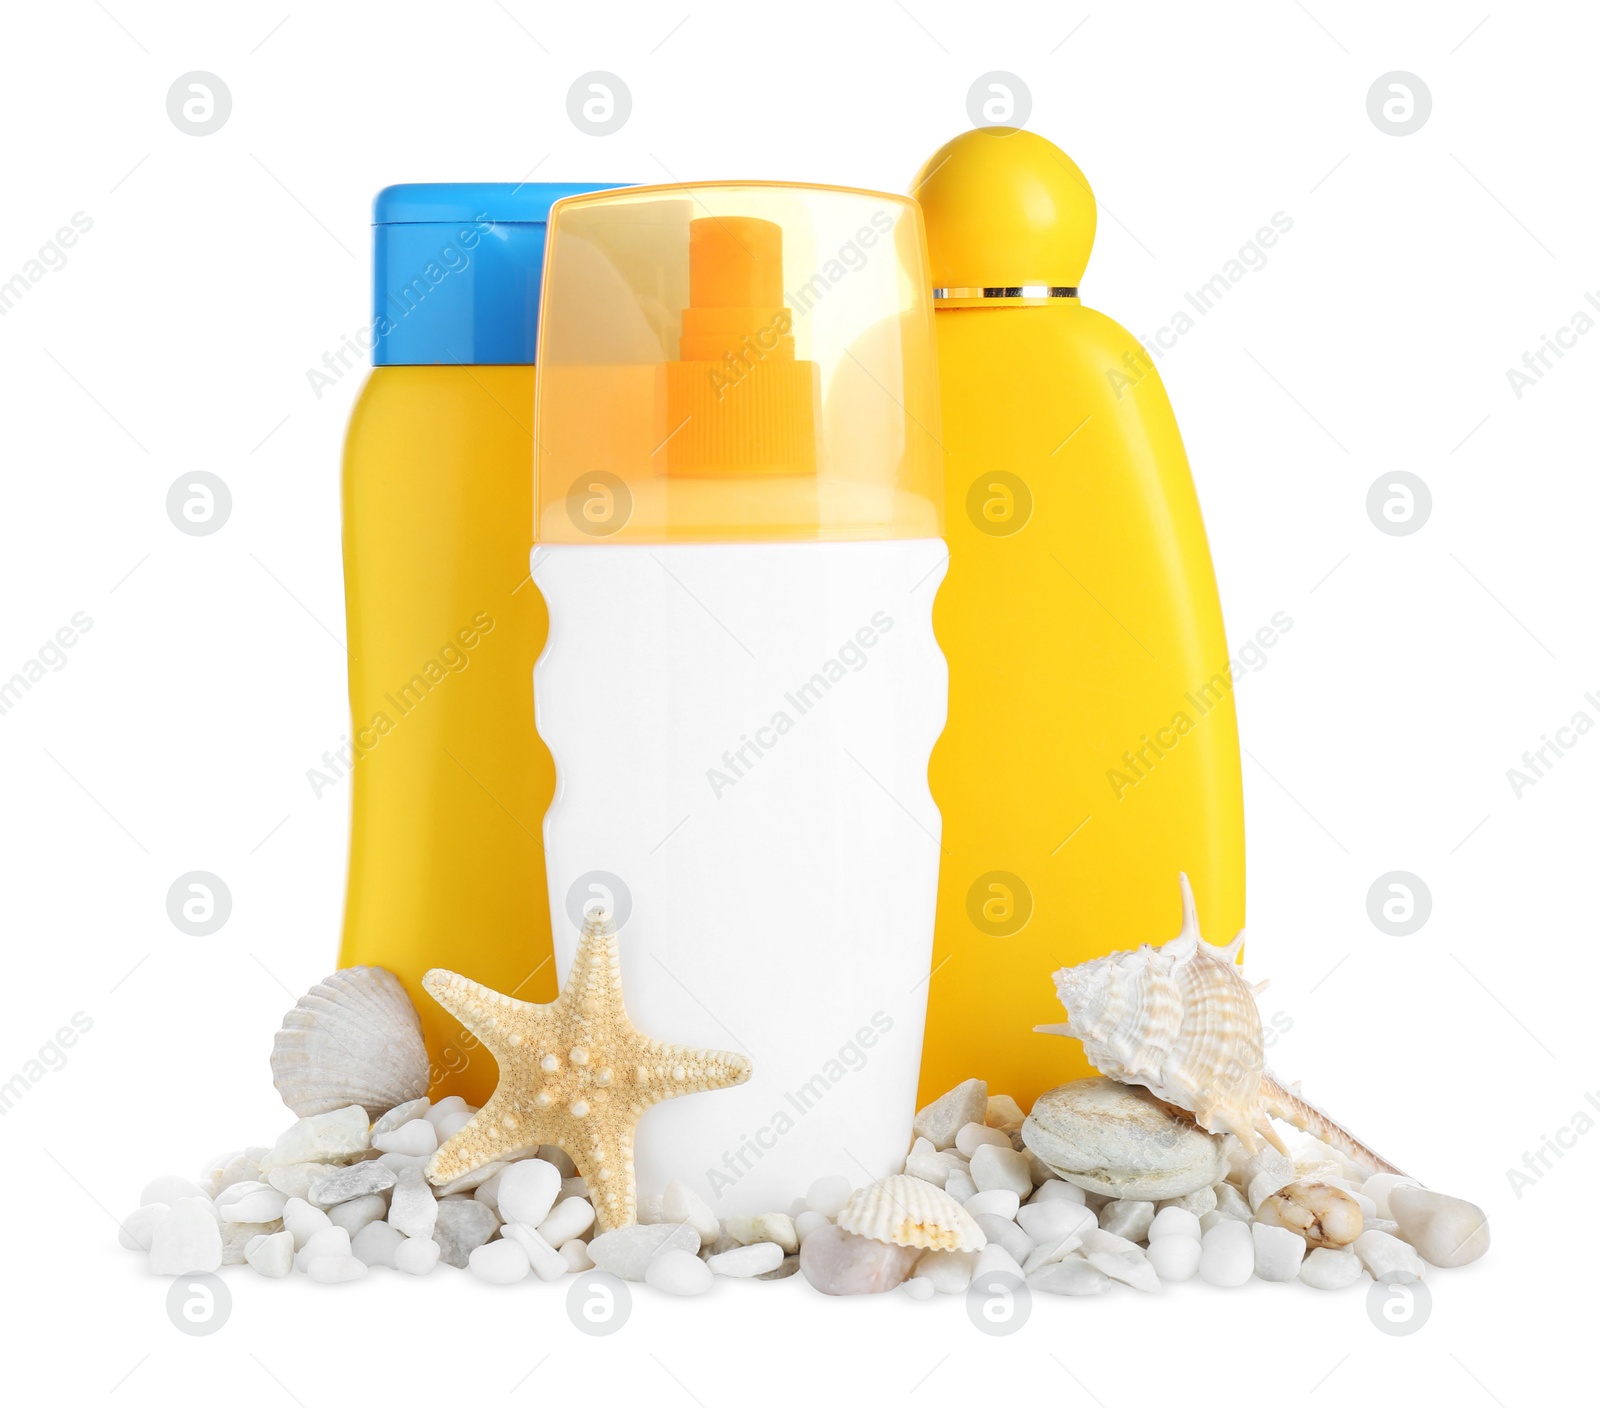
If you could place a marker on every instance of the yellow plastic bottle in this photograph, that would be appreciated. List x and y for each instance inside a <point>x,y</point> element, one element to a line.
<point>1091,752</point>
<point>449,780</point>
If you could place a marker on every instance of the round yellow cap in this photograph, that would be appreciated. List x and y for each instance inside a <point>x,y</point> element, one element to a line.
<point>1004,207</point>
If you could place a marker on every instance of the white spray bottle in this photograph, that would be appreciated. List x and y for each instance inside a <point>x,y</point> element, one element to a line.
<point>738,491</point>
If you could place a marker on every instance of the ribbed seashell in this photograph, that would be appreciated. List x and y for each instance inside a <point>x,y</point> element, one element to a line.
<point>354,1039</point>
<point>1180,1020</point>
<point>911,1213</point>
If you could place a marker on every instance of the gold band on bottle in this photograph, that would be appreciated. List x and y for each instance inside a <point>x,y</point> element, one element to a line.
<point>998,291</point>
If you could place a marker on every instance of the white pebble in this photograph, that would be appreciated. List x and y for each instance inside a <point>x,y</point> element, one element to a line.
<point>970,1137</point>
<point>448,1126</point>
<point>627,1251</point>
<point>1128,1217</point>
<point>1380,1185</point>
<point>1005,1233</point>
<point>415,1138</point>
<point>489,1190</point>
<point>302,1220</point>
<point>401,1114</point>
<point>1002,1112</point>
<point>1072,1277</point>
<point>756,1259</point>
<point>1049,1222</point>
<point>680,1203</point>
<point>271,1253</point>
<point>1174,1222</point>
<point>678,1273</point>
<point>996,1167</point>
<point>138,1226</point>
<point>297,1180</point>
<point>576,1255</point>
<point>1047,1252</point>
<point>807,1223</point>
<point>940,1121</point>
<point>1388,1258</point>
<point>337,1135</point>
<point>188,1239</point>
<point>1002,1202</point>
<point>398,1163</point>
<point>1058,1190</point>
<point>330,1270</point>
<point>1446,1231</point>
<point>919,1288</point>
<point>1230,1203</point>
<point>412,1208</point>
<point>959,1185</point>
<point>1264,1172</point>
<point>829,1194</point>
<point>993,1259</point>
<point>499,1263</point>
<point>933,1165</point>
<point>1279,1252</point>
<point>251,1202</point>
<point>1227,1254</point>
<point>416,1256</point>
<point>1097,1239</point>
<point>1131,1268</point>
<point>950,1272</point>
<point>764,1227</point>
<point>1202,1200</point>
<point>450,1105</point>
<point>358,1213</point>
<point>1331,1269</point>
<point>1175,1258</point>
<point>376,1243</point>
<point>222,1172</point>
<point>548,1264</point>
<point>355,1181</point>
<point>528,1191</point>
<point>329,1242</point>
<point>168,1189</point>
<point>572,1217</point>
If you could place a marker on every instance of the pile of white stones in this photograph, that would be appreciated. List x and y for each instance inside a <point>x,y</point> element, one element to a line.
<point>1262,1220</point>
<point>337,1195</point>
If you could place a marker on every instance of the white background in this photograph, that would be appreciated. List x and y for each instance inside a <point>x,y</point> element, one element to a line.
<point>1377,338</point>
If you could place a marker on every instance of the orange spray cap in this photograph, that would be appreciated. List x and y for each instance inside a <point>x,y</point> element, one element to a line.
<point>750,362</point>
<point>741,399</point>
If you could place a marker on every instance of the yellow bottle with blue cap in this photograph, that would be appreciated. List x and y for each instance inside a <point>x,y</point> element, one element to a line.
<point>448,780</point>
<point>1092,751</point>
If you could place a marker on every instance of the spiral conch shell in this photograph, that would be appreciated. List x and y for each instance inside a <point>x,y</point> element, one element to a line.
<point>1180,1020</point>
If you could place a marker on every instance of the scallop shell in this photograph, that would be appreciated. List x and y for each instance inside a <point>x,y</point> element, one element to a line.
<point>911,1213</point>
<point>1180,1020</point>
<point>354,1039</point>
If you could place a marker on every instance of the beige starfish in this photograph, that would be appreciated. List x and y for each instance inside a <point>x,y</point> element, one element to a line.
<point>574,1072</point>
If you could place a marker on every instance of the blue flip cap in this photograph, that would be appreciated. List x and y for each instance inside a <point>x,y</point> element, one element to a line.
<point>456,268</point>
